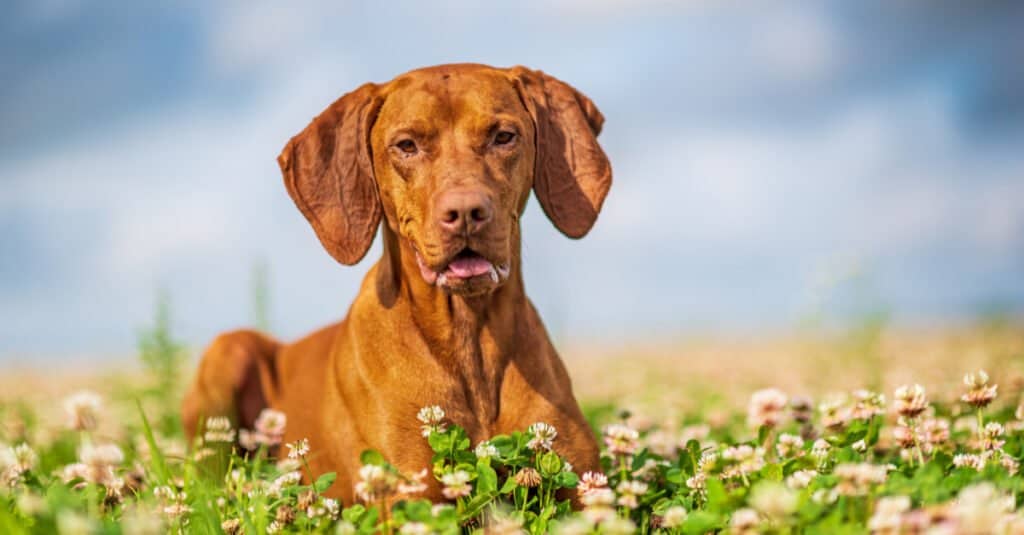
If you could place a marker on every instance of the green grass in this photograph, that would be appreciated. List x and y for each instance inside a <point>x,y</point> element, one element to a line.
<point>854,465</point>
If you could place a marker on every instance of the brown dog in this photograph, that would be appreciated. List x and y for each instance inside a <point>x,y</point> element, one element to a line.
<point>448,156</point>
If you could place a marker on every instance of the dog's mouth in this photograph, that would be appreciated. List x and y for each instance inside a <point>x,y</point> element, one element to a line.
<point>463,267</point>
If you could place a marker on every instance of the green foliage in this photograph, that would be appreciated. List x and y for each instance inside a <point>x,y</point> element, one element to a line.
<point>781,476</point>
<point>162,359</point>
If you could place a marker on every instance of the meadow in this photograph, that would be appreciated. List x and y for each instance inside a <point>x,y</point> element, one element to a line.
<point>867,429</point>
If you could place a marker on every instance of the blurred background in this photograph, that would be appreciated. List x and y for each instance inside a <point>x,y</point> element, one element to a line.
<point>811,163</point>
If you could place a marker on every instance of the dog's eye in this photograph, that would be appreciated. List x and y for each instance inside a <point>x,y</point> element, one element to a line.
<point>407,146</point>
<point>504,137</point>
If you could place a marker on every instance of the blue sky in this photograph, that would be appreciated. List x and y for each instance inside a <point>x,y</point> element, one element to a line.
<point>769,163</point>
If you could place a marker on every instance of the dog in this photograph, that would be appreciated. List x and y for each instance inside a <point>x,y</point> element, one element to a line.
<point>446,158</point>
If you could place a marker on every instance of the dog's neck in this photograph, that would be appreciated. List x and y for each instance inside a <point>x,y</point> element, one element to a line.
<point>467,334</point>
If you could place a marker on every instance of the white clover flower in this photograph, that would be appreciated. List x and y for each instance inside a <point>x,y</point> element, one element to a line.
<point>218,429</point>
<point>867,404</point>
<point>744,521</point>
<point>601,496</point>
<point>21,458</point>
<point>413,484</point>
<point>858,479</point>
<point>375,483</point>
<point>979,393</point>
<point>789,445</point>
<point>629,493</point>
<point>674,517</point>
<point>456,484</point>
<point>298,449</point>
<point>745,458</point>
<point>616,525</point>
<point>621,439</point>
<point>991,436</point>
<point>591,481</point>
<point>910,400</point>
<point>543,436</point>
<point>432,418</point>
<point>485,450</point>
<point>970,460</point>
<point>766,407</point>
<point>860,446</point>
<point>83,410</point>
<point>981,506</point>
<point>773,500</point>
<point>888,515</point>
<point>270,426</point>
<point>800,479</point>
<point>820,450</point>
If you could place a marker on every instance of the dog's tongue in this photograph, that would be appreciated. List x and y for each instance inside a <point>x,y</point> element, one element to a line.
<point>469,266</point>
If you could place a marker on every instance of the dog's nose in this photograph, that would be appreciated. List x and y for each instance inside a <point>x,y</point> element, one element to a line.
<point>463,210</point>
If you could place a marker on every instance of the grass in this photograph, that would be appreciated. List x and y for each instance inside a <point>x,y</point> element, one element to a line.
<point>699,435</point>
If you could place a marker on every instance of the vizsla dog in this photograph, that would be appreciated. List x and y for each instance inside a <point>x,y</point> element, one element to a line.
<point>446,157</point>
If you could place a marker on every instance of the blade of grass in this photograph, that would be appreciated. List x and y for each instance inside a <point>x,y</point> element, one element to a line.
<point>156,456</point>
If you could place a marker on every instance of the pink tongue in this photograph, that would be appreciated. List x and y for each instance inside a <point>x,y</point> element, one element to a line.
<point>469,267</point>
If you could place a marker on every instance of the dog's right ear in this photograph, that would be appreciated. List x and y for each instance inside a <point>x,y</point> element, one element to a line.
<point>328,171</point>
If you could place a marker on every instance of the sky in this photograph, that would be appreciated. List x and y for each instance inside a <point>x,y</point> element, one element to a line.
<point>772,162</point>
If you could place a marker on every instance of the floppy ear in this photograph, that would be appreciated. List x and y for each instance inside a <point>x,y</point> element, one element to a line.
<point>328,171</point>
<point>572,174</point>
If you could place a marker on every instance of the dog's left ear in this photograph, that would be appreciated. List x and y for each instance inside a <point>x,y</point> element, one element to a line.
<point>572,174</point>
<point>328,171</point>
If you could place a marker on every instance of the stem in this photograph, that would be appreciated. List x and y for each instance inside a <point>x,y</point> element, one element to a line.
<point>981,428</point>
<point>917,441</point>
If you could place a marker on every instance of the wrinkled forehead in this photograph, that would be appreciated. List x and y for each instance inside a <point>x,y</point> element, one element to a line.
<point>438,97</point>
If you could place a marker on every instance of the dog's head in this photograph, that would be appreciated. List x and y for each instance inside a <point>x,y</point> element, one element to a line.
<point>448,155</point>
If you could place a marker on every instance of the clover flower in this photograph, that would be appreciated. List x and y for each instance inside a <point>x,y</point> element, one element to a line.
<point>867,404</point>
<point>456,484</point>
<point>744,522</point>
<point>598,497</point>
<point>298,449</point>
<point>673,517</point>
<point>413,484</point>
<point>800,479</point>
<point>857,479</point>
<point>96,465</point>
<point>543,436</point>
<point>745,458</point>
<point>21,458</point>
<point>591,481</point>
<point>629,493</point>
<point>485,450</point>
<point>288,479</point>
<point>432,418</point>
<point>979,393</point>
<point>820,450</point>
<point>231,526</point>
<point>269,426</point>
<point>970,460</point>
<point>528,477</point>
<point>934,432</point>
<point>621,439</point>
<point>980,507</point>
<point>218,429</point>
<point>597,511</point>
<point>910,400</point>
<point>773,500</point>
<point>888,516</point>
<point>835,413</point>
<point>661,442</point>
<point>789,445</point>
<point>83,410</point>
<point>766,407</point>
<point>375,483</point>
<point>803,409</point>
<point>991,436</point>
